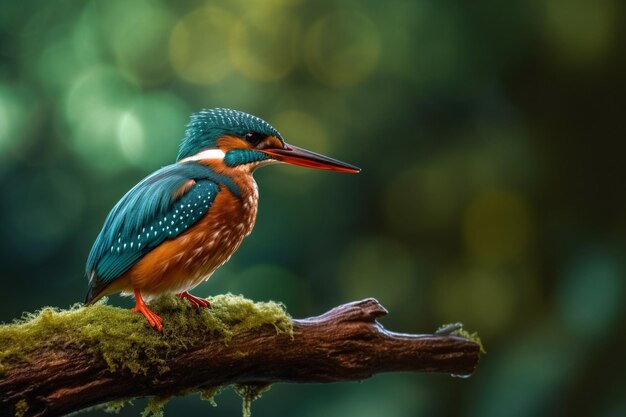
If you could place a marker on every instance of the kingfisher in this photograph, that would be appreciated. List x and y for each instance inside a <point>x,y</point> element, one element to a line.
<point>174,228</point>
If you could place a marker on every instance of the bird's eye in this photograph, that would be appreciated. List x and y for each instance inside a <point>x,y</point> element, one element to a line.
<point>254,138</point>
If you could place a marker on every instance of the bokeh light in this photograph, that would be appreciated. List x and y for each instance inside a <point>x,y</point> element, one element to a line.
<point>264,43</point>
<point>498,227</point>
<point>150,130</point>
<point>382,267</point>
<point>342,48</point>
<point>580,32</point>
<point>130,136</point>
<point>94,108</point>
<point>140,50</point>
<point>199,45</point>
<point>17,112</point>
<point>427,196</point>
<point>485,298</point>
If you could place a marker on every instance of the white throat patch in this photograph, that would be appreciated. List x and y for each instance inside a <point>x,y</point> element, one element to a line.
<point>216,154</point>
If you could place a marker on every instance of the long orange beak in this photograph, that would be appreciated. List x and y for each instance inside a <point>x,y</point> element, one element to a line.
<point>298,156</point>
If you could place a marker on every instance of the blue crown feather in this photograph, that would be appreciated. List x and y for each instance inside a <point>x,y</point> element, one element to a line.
<point>206,126</point>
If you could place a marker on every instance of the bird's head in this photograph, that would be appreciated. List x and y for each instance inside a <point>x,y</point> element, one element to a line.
<point>242,140</point>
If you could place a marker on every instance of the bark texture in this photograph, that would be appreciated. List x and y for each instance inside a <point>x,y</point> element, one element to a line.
<point>344,344</point>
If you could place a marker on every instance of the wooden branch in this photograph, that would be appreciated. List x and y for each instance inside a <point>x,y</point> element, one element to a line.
<point>345,344</point>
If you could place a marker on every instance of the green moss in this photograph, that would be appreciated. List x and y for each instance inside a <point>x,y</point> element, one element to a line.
<point>114,407</point>
<point>209,394</point>
<point>471,336</point>
<point>155,406</point>
<point>250,393</point>
<point>124,339</point>
<point>21,408</point>
<point>456,329</point>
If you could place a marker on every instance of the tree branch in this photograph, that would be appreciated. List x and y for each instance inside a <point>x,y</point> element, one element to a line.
<point>344,344</point>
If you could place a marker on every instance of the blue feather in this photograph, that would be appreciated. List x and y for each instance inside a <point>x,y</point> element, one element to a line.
<point>148,215</point>
<point>206,126</point>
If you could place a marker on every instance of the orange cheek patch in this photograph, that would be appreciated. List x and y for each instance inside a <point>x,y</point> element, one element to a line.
<point>228,142</point>
<point>271,142</point>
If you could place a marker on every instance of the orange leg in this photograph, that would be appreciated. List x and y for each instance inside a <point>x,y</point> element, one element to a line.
<point>141,307</point>
<point>195,301</point>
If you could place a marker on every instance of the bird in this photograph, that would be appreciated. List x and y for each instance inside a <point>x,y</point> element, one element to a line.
<point>173,229</point>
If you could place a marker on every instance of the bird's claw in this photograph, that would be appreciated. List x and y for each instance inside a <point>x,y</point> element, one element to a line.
<point>196,302</point>
<point>153,319</point>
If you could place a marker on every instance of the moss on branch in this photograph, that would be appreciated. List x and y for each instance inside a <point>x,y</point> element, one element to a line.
<point>55,362</point>
<point>124,339</point>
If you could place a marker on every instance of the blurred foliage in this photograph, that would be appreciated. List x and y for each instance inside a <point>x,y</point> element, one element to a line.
<point>490,137</point>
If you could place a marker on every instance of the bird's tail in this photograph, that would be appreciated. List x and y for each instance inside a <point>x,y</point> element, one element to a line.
<point>90,297</point>
<point>94,292</point>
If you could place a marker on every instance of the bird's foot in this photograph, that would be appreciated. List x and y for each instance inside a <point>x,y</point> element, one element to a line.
<point>151,316</point>
<point>197,302</point>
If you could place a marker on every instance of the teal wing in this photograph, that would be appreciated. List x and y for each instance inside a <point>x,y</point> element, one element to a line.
<point>149,214</point>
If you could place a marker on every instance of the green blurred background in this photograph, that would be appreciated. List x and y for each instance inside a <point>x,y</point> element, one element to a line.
<point>492,189</point>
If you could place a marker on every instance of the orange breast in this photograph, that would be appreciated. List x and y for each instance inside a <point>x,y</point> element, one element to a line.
<point>182,263</point>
